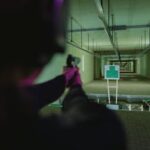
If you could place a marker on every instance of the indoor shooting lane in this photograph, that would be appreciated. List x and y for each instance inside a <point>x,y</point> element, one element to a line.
<point>113,32</point>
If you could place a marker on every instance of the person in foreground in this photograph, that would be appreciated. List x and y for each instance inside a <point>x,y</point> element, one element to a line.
<point>32,31</point>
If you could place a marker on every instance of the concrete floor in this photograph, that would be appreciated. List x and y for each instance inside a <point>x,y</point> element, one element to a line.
<point>136,122</point>
<point>137,128</point>
<point>130,87</point>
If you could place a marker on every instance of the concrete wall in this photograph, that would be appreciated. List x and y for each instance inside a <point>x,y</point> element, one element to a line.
<point>52,69</point>
<point>148,65</point>
<point>145,65</point>
<point>97,68</point>
<point>104,61</point>
<point>138,66</point>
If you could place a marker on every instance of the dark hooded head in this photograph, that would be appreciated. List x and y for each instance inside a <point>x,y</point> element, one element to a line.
<point>31,31</point>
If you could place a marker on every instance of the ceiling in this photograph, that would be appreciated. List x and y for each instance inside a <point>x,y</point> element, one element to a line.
<point>129,19</point>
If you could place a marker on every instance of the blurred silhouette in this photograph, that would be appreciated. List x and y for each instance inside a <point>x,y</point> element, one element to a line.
<point>32,31</point>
